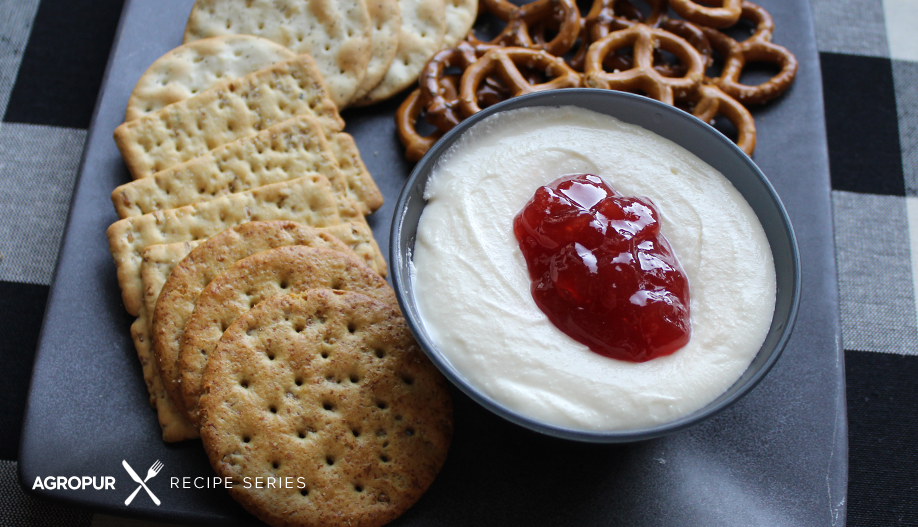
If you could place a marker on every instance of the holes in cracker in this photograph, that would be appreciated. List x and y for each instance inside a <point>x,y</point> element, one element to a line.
<point>358,488</point>
<point>329,460</point>
<point>355,432</point>
<point>355,379</point>
<point>304,492</point>
<point>284,284</point>
<point>384,458</point>
<point>272,409</point>
<point>351,328</point>
<point>381,405</point>
<point>270,355</point>
<point>244,383</point>
<point>407,379</point>
<point>409,432</point>
<point>328,407</point>
<point>246,439</point>
<point>298,381</point>
<point>275,465</point>
<point>380,353</point>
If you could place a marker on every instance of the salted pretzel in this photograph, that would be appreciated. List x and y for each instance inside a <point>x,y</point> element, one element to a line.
<point>761,19</point>
<point>506,64</point>
<point>520,21</point>
<point>610,15</point>
<point>737,54</point>
<point>443,111</point>
<point>642,75</point>
<point>410,111</point>
<point>709,100</point>
<point>725,15</point>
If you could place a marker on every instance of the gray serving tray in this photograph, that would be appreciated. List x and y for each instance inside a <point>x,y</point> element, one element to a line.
<point>778,457</point>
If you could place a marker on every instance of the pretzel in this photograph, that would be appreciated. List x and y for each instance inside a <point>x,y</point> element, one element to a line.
<point>606,16</point>
<point>410,111</point>
<point>520,19</point>
<point>643,76</point>
<point>737,54</point>
<point>709,101</point>
<point>724,16</point>
<point>695,37</point>
<point>505,64</point>
<point>764,24</point>
<point>442,111</point>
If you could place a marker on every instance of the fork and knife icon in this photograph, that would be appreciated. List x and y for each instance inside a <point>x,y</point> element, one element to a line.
<point>154,470</point>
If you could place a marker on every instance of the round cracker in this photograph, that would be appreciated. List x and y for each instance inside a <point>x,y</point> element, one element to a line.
<point>460,17</point>
<point>386,23</point>
<point>420,37</point>
<point>336,34</point>
<point>207,260</point>
<point>284,270</point>
<point>330,390</point>
<point>198,66</point>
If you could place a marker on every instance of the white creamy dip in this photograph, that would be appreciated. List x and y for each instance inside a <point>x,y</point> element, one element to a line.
<point>473,288</point>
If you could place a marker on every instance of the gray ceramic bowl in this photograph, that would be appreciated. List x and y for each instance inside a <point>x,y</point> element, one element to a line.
<point>677,126</point>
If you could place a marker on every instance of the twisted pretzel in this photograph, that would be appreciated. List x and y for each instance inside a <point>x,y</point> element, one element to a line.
<point>737,54</point>
<point>442,110</point>
<point>643,76</point>
<point>505,65</point>
<point>520,20</point>
<point>709,101</point>
<point>761,19</point>
<point>409,112</point>
<point>606,16</point>
<point>724,16</point>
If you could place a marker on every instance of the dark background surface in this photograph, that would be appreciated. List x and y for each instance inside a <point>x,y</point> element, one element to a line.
<point>57,82</point>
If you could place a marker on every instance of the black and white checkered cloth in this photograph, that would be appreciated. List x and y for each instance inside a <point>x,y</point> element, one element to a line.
<point>52,57</point>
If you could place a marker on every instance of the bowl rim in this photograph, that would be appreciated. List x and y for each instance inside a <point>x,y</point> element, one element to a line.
<point>400,271</point>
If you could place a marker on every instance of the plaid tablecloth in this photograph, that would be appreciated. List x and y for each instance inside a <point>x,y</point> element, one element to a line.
<point>52,58</point>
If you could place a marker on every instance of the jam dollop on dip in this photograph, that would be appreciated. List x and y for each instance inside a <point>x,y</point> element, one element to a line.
<point>601,270</point>
<point>473,288</point>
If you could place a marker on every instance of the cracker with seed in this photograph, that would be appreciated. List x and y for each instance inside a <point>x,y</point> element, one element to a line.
<point>385,25</point>
<point>196,269</point>
<point>233,109</point>
<point>308,199</point>
<point>336,34</point>
<point>284,270</point>
<point>158,262</point>
<point>329,389</point>
<point>198,66</point>
<point>282,152</point>
<point>460,17</point>
<point>421,35</point>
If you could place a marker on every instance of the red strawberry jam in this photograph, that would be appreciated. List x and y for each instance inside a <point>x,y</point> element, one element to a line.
<point>602,271</point>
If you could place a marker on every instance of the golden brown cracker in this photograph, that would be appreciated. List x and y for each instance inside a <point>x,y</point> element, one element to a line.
<point>284,270</point>
<point>180,291</point>
<point>329,387</point>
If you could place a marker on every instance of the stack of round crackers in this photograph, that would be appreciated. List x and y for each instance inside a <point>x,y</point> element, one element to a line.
<point>297,365</point>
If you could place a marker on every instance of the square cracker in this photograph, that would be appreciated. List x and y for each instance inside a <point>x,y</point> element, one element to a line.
<point>285,151</point>
<point>308,199</point>
<point>233,109</point>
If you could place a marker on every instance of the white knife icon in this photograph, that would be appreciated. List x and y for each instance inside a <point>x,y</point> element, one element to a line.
<point>154,470</point>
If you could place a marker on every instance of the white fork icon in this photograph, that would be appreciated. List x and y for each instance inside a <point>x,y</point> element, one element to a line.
<point>154,470</point>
